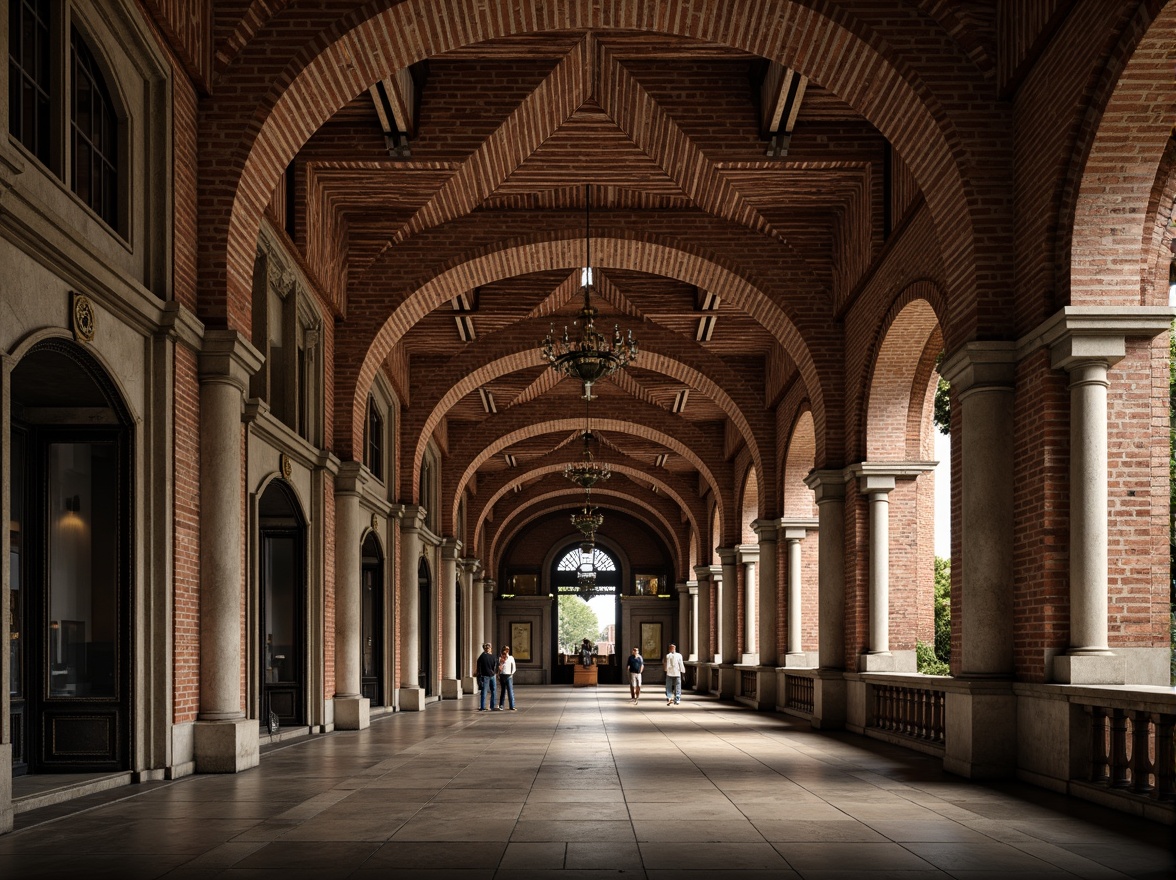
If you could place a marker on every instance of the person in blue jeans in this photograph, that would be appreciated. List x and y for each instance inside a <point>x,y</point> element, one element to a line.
<point>506,671</point>
<point>487,671</point>
<point>675,669</point>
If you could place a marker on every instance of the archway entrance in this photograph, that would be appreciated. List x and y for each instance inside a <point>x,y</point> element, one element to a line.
<point>372,622</point>
<point>281,613</point>
<point>587,585</point>
<point>70,651</point>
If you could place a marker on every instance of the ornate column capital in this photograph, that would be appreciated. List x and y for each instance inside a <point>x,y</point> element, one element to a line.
<point>1078,334</point>
<point>450,549</point>
<point>227,357</point>
<point>827,485</point>
<point>747,553</point>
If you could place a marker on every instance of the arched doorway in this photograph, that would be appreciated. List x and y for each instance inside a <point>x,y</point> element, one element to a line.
<point>425,618</point>
<point>372,622</point>
<point>70,650</point>
<point>584,575</point>
<point>281,612</point>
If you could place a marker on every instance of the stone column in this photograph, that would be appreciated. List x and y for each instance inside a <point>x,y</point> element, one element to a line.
<point>768,610</point>
<point>706,652</point>
<point>982,376</point>
<point>877,487</point>
<point>829,693</point>
<point>472,633</point>
<point>749,556</point>
<point>683,619</point>
<point>226,741</point>
<point>352,710</point>
<point>795,531</point>
<point>412,695</point>
<point>728,606</point>
<point>693,621</point>
<point>450,685</point>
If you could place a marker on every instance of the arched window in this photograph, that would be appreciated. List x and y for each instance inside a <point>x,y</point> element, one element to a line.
<point>601,561</point>
<point>93,134</point>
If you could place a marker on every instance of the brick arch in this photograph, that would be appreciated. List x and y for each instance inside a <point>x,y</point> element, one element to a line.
<point>1161,212</point>
<point>539,470</point>
<point>1111,237</point>
<point>898,375</point>
<point>516,349</point>
<point>645,254</point>
<point>799,459</point>
<point>687,449</point>
<point>247,143</point>
<point>749,506</point>
<point>538,507</point>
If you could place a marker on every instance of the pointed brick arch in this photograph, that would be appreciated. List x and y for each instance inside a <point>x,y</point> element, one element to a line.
<point>799,459</point>
<point>247,143</point>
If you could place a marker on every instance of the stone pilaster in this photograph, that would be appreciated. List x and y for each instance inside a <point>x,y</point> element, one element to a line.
<point>472,631</point>
<point>683,591</point>
<point>706,653</point>
<point>829,691</point>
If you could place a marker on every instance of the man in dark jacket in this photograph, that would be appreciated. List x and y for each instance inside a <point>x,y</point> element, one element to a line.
<point>487,678</point>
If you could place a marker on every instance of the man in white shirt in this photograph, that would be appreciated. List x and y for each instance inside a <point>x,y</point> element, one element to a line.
<point>675,669</point>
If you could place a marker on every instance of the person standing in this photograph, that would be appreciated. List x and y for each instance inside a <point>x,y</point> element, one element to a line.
<point>586,653</point>
<point>675,669</point>
<point>487,670</point>
<point>635,665</point>
<point>506,671</point>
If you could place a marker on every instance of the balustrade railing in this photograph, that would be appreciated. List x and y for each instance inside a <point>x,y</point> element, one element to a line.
<point>1133,750</point>
<point>747,683</point>
<point>916,713</point>
<point>798,693</point>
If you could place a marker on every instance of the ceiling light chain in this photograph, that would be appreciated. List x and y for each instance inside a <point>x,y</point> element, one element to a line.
<point>590,356</point>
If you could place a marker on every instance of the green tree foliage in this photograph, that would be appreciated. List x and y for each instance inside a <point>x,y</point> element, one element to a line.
<point>577,621</point>
<point>934,659</point>
<point>942,415</point>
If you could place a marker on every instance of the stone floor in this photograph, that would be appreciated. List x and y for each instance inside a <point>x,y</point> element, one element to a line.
<point>580,783</point>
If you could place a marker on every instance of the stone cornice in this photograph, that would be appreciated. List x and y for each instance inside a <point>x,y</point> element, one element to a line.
<point>981,365</point>
<point>226,356</point>
<point>827,485</point>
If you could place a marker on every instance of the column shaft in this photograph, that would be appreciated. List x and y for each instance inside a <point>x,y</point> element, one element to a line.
<point>879,573</point>
<point>768,610</point>
<point>728,608</point>
<point>683,619</point>
<point>410,618</point>
<point>1088,508</point>
<point>348,597</point>
<point>693,623</point>
<point>449,588</point>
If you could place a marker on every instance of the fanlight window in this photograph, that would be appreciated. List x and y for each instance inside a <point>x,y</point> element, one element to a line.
<point>601,561</point>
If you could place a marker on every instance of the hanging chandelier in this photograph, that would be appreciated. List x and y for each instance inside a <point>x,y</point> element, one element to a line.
<point>587,520</point>
<point>586,572</point>
<point>589,356</point>
<point>587,472</point>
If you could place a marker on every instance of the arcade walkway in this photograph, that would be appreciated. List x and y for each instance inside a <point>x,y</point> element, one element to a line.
<point>579,783</point>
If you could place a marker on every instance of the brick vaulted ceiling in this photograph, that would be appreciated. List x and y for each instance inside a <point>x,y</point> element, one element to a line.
<point>670,134</point>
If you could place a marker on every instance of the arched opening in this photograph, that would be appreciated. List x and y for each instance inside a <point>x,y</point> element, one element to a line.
<point>282,607</point>
<point>425,622</point>
<point>586,582</point>
<point>372,622</point>
<point>70,649</point>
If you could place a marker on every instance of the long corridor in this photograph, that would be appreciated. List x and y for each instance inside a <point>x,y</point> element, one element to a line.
<point>581,783</point>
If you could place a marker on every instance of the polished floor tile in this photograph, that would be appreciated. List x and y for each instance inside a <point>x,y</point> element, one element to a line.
<point>580,783</point>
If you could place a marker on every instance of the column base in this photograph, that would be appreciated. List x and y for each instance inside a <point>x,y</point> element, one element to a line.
<point>751,659</point>
<point>829,700</point>
<point>451,689</point>
<point>469,685</point>
<point>412,699</point>
<point>353,713</point>
<point>1089,669</point>
<point>981,734</point>
<point>227,746</point>
<point>800,660</point>
<point>6,811</point>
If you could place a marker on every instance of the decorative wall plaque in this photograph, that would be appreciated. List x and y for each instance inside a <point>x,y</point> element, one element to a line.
<point>375,522</point>
<point>83,318</point>
<point>285,466</point>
